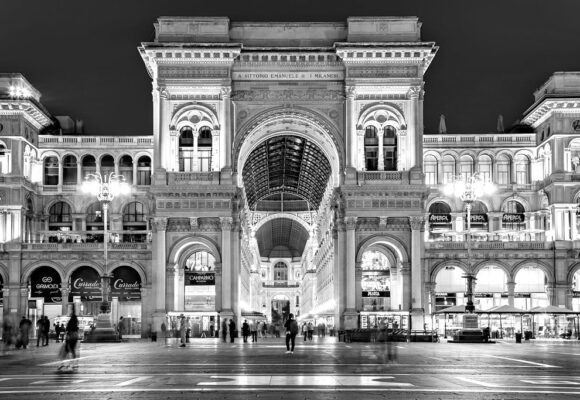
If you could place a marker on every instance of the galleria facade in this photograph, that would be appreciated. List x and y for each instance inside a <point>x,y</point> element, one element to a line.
<point>288,171</point>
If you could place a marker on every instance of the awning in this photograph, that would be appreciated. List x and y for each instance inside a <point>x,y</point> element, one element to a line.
<point>505,309</point>
<point>455,310</point>
<point>552,310</point>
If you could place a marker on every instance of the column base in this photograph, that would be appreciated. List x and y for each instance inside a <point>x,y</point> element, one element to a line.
<point>350,176</point>
<point>417,319</point>
<point>160,177</point>
<point>226,175</point>
<point>350,318</point>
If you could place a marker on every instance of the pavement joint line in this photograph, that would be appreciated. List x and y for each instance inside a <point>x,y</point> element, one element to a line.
<point>524,361</point>
<point>134,380</point>
<point>63,361</point>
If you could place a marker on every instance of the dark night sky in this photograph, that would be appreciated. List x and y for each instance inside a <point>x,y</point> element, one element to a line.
<point>82,55</point>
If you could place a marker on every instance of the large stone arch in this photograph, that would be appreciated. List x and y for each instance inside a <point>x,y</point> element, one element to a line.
<point>393,243</point>
<point>4,273</point>
<point>180,248</point>
<point>447,263</point>
<point>496,263</point>
<point>29,269</point>
<point>59,200</point>
<point>83,263</point>
<point>571,272</point>
<point>271,217</point>
<point>535,263</point>
<point>129,263</point>
<point>295,121</point>
<point>366,116</point>
<point>525,203</point>
<point>211,119</point>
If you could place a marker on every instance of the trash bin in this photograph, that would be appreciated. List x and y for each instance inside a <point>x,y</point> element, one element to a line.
<point>153,336</point>
<point>518,337</point>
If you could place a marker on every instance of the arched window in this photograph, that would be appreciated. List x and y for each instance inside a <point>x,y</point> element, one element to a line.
<point>280,271</point>
<point>491,288</point>
<point>513,216</point>
<point>466,166</point>
<point>371,149</point>
<point>484,168</point>
<point>204,149</point>
<point>134,219</point>
<point>430,165</point>
<point>200,261</point>
<point>144,171</point>
<point>503,166</point>
<point>126,168</point>
<point>69,170</point>
<point>95,222</point>
<point>107,165</point>
<point>449,288</point>
<point>51,171</point>
<point>522,170</point>
<point>439,221</point>
<point>4,159</point>
<point>479,219</point>
<point>186,150</point>
<point>89,166</point>
<point>60,218</point>
<point>448,168</point>
<point>390,148</point>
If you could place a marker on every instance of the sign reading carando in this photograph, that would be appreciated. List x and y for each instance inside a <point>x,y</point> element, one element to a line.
<point>199,278</point>
<point>288,76</point>
<point>126,284</point>
<point>86,283</point>
<point>45,282</point>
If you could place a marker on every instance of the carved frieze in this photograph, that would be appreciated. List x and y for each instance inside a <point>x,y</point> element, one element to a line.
<point>406,71</point>
<point>416,222</point>
<point>159,224</point>
<point>288,95</point>
<point>193,72</point>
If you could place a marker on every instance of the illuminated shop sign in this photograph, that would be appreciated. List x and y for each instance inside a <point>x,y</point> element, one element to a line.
<point>85,283</point>
<point>199,278</point>
<point>440,218</point>
<point>45,282</point>
<point>126,284</point>
<point>513,218</point>
<point>478,218</point>
<point>376,293</point>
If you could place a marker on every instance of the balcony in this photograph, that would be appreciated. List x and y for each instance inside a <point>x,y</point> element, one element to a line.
<point>481,140</point>
<point>193,178</point>
<point>69,141</point>
<point>490,245</point>
<point>389,177</point>
<point>85,246</point>
<point>281,284</point>
<point>89,241</point>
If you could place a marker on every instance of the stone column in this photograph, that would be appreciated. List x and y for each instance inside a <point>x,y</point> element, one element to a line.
<point>360,157</point>
<point>350,312</point>
<point>358,273</point>
<point>64,292</point>
<point>413,127</point>
<point>195,163</point>
<point>351,141</point>
<point>339,273</point>
<point>381,152</point>
<point>550,294</point>
<point>171,289</point>
<point>396,290</point>
<point>226,250</point>
<point>60,175</point>
<point>79,173</point>
<point>218,286</point>
<point>573,224</point>
<point>511,287</point>
<point>236,270</point>
<point>417,302</point>
<point>405,277</point>
<point>159,270</point>
<point>135,164</point>
<point>225,125</point>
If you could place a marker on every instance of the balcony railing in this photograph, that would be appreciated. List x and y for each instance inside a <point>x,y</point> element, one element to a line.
<point>490,245</point>
<point>381,177</point>
<point>85,246</point>
<point>280,284</point>
<point>187,178</point>
<point>69,141</point>
<point>492,139</point>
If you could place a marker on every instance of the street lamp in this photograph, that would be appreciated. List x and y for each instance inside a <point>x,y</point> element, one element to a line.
<point>469,188</point>
<point>105,188</point>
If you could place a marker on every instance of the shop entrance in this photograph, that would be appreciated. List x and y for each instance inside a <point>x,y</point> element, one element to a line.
<point>280,309</point>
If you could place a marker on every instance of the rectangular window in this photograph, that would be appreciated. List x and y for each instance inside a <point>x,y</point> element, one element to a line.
<point>431,174</point>
<point>204,160</point>
<point>371,159</point>
<point>185,160</point>
<point>390,159</point>
<point>448,172</point>
<point>465,170</point>
<point>485,172</point>
<point>522,174</point>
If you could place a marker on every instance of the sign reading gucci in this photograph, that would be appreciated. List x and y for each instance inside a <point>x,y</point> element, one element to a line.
<point>126,284</point>
<point>45,282</point>
<point>86,283</point>
<point>376,293</point>
<point>199,278</point>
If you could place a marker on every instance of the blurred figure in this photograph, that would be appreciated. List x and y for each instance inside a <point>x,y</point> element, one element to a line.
<point>70,345</point>
<point>305,330</point>
<point>254,331</point>
<point>232,327</point>
<point>225,330</point>
<point>40,331</point>
<point>24,332</point>
<point>182,330</point>
<point>310,331</point>
<point>57,331</point>
<point>7,333</point>
<point>245,330</point>
<point>45,330</point>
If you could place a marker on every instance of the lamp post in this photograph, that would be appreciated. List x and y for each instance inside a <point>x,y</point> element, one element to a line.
<point>105,188</point>
<point>469,188</point>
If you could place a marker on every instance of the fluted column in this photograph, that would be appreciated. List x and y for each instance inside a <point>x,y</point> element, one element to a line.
<point>226,226</point>
<point>405,278</point>
<point>350,223</point>
<point>195,151</point>
<point>417,301</point>
<point>381,153</point>
<point>351,137</point>
<point>358,286</point>
<point>225,125</point>
<point>159,269</point>
<point>64,292</point>
<point>511,286</point>
<point>172,290</point>
<point>412,127</point>
<point>135,164</point>
<point>79,173</point>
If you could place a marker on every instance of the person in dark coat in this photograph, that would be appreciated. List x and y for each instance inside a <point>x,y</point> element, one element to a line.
<point>45,330</point>
<point>40,331</point>
<point>25,325</point>
<point>71,341</point>
<point>225,330</point>
<point>232,327</point>
<point>245,330</point>
<point>291,331</point>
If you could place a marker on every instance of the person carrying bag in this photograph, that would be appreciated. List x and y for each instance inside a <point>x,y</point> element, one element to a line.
<point>70,345</point>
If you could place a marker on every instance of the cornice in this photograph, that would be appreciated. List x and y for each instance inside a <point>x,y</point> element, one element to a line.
<point>34,114</point>
<point>539,112</point>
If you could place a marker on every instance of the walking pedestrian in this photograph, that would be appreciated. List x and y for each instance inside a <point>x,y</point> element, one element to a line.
<point>254,331</point>
<point>120,329</point>
<point>57,331</point>
<point>46,330</point>
<point>24,327</point>
<point>232,327</point>
<point>305,330</point>
<point>245,330</point>
<point>70,344</point>
<point>310,331</point>
<point>164,331</point>
<point>225,330</point>
<point>291,331</point>
<point>39,330</point>
<point>182,330</point>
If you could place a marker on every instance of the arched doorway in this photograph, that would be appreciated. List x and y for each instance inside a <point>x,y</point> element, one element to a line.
<point>126,300</point>
<point>576,291</point>
<point>280,309</point>
<point>45,294</point>
<point>450,289</point>
<point>530,288</point>
<point>490,288</point>
<point>85,290</point>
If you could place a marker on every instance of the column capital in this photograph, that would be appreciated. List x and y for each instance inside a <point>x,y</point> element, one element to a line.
<point>226,223</point>
<point>350,92</point>
<point>225,92</point>
<point>159,224</point>
<point>193,223</point>
<point>350,223</point>
<point>416,222</point>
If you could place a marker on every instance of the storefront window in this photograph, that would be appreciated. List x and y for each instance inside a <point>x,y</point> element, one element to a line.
<point>491,288</point>
<point>200,282</point>
<point>530,289</point>
<point>449,288</point>
<point>375,281</point>
<point>439,221</point>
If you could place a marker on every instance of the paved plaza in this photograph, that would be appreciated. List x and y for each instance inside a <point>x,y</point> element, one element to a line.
<point>321,369</point>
